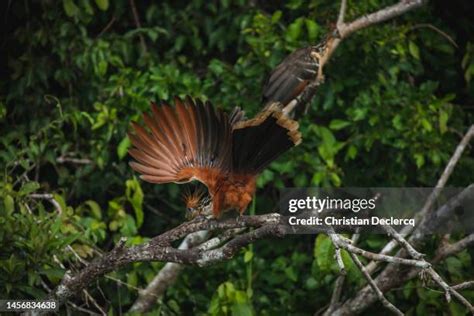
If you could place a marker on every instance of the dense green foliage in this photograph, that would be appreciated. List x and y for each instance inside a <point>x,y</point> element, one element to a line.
<point>396,100</point>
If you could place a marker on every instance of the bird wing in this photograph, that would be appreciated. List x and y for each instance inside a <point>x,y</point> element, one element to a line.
<point>259,141</point>
<point>291,76</point>
<point>178,144</point>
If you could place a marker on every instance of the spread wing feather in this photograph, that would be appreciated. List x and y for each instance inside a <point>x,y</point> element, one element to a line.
<point>181,142</point>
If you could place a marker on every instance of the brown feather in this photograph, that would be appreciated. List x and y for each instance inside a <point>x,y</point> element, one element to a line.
<point>188,129</point>
<point>149,171</point>
<point>150,161</point>
<point>182,141</point>
<point>148,144</point>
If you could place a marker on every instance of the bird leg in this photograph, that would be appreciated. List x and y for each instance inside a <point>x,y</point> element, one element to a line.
<point>318,57</point>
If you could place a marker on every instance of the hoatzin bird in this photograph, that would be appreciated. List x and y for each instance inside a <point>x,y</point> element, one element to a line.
<point>195,141</point>
<point>288,80</point>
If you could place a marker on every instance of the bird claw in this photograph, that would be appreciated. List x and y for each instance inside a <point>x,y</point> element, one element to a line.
<point>239,219</point>
<point>200,217</point>
<point>195,216</point>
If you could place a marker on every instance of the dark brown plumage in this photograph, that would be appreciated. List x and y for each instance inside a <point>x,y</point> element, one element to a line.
<point>194,141</point>
<point>292,75</point>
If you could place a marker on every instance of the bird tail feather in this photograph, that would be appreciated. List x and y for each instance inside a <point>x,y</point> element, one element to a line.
<point>259,141</point>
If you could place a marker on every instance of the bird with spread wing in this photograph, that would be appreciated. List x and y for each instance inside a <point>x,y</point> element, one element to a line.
<point>193,140</point>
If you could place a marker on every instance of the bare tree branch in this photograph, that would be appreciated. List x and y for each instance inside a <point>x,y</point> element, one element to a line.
<point>159,249</point>
<point>450,249</point>
<point>385,14</point>
<point>166,276</point>
<point>337,292</point>
<point>342,13</point>
<point>77,161</point>
<point>464,285</point>
<point>339,242</point>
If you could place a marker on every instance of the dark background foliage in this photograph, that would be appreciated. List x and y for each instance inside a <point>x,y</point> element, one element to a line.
<point>74,73</point>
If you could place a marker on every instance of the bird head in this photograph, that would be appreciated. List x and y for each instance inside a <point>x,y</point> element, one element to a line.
<point>196,200</point>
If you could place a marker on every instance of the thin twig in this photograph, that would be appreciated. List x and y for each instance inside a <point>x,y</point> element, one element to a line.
<point>434,275</point>
<point>437,30</point>
<point>77,161</point>
<point>342,13</point>
<point>82,309</point>
<point>379,257</point>
<point>448,170</point>
<point>339,284</point>
<point>94,302</point>
<point>374,286</point>
<point>107,27</point>
<point>464,285</point>
<point>136,19</point>
<point>49,198</point>
<point>337,254</point>
<point>450,249</point>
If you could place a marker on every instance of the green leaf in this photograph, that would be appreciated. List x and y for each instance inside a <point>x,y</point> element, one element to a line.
<point>469,72</point>
<point>311,283</point>
<point>397,122</point>
<point>456,309</point>
<point>95,209</point>
<point>323,252</point>
<point>3,110</point>
<point>122,148</point>
<point>241,310</point>
<point>414,50</point>
<point>248,256</point>
<point>291,273</point>
<point>134,195</point>
<point>351,152</point>
<point>29,187</point>
<point>276,16</point>
<point>294,30</point>
<point>9,204</point>
<point>52,273</point>
<point>419,159</point>
<point>426,125</point>
<point>443,121</point>
<point>70,8</point>
<point>454,266</point>
<point>102,4</point>
<point>62,203</point>
<point>313,29</point>
<point>338,124</point>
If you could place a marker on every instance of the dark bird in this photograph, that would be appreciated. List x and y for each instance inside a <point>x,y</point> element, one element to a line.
<point>288,80</point>
<point>195,141</point>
